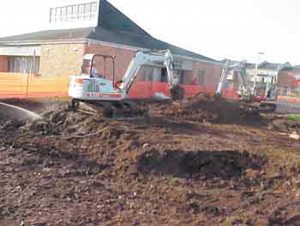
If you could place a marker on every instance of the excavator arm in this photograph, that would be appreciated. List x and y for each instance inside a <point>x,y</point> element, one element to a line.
<point>222,79</point>
<point>235,69</point>
<point>142,58</point>
<point>249,101</point>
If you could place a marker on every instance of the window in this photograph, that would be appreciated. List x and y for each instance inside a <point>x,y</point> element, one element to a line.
<point>81,12</point>
<point>150,73</point>
<point>180,74</point>
<point>69,13</point>
<point>85,11</point>
<point>93,10</point>
<point>58,14</point>
<point>201,77</point>
<point>147,73</point>
<point>74,12</point>
<point>52,12</point>
<point>159,74</point>
<point>24,64</point>
<point>64,14</point>
<point>164,75</point>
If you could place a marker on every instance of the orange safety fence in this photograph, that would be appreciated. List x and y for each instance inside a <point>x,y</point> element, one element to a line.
<point>147,89</point>
<point>230,93</point>
<point>17,85</point>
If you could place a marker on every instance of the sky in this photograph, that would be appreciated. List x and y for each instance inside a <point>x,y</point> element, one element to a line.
<point>218,29</point>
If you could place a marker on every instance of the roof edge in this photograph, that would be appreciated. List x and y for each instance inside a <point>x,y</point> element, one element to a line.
<point>94,41</point>
<point>134,48</point>
<point>40,42</point>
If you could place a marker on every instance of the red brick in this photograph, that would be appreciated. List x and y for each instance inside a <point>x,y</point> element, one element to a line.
<point>3,63</point>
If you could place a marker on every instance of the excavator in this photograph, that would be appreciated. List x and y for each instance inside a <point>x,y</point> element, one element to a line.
<point>248,100</point>
<point>110,95</point>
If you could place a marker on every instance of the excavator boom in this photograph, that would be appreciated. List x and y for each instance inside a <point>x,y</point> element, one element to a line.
<point>164,58</point>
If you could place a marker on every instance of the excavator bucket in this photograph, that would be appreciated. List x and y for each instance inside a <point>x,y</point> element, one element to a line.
<point>177,93</point>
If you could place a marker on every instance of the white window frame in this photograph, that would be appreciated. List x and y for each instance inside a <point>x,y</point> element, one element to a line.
<point>24,64</point>
<point>79,12</point>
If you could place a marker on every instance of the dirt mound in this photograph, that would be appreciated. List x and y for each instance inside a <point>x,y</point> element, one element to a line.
<point>10,125</point>
<point>285,126</point>
<point>202,108</point>
<point>286,214</point>
<point>74,168</point>
<point>59,119</point>
<point>12,112</point>
<point>205,164</point>
<point>34,105</point>
<point>16,112</point>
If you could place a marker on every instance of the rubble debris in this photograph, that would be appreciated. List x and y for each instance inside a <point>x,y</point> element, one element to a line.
<point>294,136</point>
<point>284,125</point>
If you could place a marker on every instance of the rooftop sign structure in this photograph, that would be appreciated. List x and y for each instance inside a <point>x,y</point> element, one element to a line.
<point>74,15</point>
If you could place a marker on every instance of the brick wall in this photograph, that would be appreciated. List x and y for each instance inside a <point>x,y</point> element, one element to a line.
<point>61,59</point>
<point>285,79</point>
<point>211,73</point>
<point>3,63</point>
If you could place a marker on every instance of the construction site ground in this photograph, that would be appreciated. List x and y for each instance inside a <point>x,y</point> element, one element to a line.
<point>203,162</point>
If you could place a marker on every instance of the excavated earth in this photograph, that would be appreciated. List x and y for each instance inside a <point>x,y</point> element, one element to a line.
<point>201,162</point>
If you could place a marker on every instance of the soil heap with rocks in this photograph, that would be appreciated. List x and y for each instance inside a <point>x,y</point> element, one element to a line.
<point>196,163</point>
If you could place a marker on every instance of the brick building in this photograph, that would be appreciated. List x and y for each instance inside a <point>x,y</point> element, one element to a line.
<point>289,82</point>
<point>104,30</point>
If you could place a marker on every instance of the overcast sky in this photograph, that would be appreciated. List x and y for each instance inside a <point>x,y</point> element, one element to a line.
<point>235,29</point>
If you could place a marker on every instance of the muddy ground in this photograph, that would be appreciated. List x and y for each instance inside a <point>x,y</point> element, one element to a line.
<point>191,164</point>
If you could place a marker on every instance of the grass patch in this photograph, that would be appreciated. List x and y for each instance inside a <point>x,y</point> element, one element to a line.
<point>294,117</point>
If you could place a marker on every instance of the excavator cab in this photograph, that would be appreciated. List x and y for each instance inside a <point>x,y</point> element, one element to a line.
<point>98,66</point>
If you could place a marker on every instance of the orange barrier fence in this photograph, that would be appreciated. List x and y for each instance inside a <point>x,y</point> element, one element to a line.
<point>230,93</point>
<point>15,85</point>
<point>147,89</point>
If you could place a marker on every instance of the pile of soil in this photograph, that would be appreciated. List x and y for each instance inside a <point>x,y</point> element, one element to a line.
<point>11,117</point>
<point>205,108</point>
<point>166,168</point>
<point>285,126</point>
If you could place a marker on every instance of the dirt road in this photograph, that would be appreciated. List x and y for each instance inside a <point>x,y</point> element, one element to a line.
<point>173,167</point>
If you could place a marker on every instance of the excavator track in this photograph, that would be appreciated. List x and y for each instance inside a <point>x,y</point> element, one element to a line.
<point>107,109</point>
<point>257,108</point>
<point>267,107</point>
